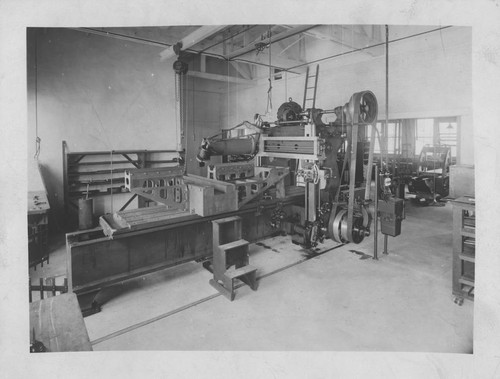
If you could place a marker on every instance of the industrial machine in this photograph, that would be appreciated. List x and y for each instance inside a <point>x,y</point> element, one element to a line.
<point>302,174</point>
<point>432,181</point>
<point>327,160</point>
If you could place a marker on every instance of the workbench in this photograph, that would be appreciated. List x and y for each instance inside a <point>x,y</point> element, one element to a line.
<point>58,323</point>
<point>154,239</point>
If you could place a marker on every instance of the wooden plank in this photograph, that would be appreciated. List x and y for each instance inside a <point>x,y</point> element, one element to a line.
<point>469,257</point>
<point>234,244</point>
<point>73,153</point>
<point>467,280</point>
<point>227,220</point>
<point>154,219</point>
<point>467,232</point>
<point>58,324</point>
<point>131,221</point>
<point>232,274</point>
<point>217,184</point>
<point>109,262</point>
<point>146,212</point>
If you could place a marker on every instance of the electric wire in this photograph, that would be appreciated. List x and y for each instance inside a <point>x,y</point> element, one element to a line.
<point>287,69</point>
<point>368,47</point>
<point>278,39</point>
<point>227,38</point>
<point>37,137</point>
<point>124,36</point>
<point>269,106</point>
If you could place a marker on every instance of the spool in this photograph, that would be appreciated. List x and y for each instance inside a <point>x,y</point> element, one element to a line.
<point>85,214</point>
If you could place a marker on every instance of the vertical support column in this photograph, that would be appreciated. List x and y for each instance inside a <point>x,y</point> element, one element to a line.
<point>311,201</point>
<point>375,234</point>
<point>178,112</point>
<point>386,141</point>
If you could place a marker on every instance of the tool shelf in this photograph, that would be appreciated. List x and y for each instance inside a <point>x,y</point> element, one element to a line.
<point>464,248</point>
<point>101,173</point>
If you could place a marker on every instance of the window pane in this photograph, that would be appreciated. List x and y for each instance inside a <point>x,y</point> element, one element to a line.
<point>424,134</point>
<point>448,136</point>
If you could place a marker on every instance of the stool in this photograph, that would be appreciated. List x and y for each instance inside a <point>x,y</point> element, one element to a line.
<point>229,250</point>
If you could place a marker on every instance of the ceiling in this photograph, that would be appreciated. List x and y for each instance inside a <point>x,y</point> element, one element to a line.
<point>283,47</point>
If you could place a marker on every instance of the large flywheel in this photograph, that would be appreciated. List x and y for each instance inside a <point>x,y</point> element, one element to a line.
<point>364,105</point>
<point>338,227</point>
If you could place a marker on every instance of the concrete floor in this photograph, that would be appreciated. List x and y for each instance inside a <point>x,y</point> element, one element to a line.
<point>341,300</point>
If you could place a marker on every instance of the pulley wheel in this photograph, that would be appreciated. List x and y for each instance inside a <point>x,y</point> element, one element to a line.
<point>335,226</point>
<point>363,105</point>
<point>338,228</point>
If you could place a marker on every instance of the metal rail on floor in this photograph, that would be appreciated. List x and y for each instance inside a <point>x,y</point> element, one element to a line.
<point>197,302</point>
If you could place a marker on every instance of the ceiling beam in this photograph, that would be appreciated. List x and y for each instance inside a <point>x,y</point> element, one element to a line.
<point>279,62</point>
<point>276,38</point>
<point>352,36</point>
<point>219,78</point>
<point>192,39</point>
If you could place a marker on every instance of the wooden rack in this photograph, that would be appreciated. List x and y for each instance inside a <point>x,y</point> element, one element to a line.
<point>464,251</point>
<point>101,173</point>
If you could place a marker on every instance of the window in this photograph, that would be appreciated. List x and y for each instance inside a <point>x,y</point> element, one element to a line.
<point>417,133</point>
<point>393,137</point>
<point>448,134</point>
<point>438,132</point>
<point>424,134</point>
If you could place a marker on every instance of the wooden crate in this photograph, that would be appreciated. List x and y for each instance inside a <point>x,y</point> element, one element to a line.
<point>209,197</point>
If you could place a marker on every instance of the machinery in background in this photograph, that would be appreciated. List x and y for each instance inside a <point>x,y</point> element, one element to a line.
<point>432,181</point>
<point>327,160</point>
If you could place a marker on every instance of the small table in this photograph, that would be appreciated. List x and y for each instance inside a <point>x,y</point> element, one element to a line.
<point>58,324</point>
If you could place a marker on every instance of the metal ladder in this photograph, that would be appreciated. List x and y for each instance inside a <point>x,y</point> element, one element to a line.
<point>308,89</point>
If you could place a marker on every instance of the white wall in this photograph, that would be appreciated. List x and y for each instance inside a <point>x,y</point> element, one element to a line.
<point>99,94</point>
<point>429,76</point>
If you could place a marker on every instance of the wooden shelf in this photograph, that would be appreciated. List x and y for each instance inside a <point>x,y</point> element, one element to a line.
<point>464,250</point>
<point>467,280</point>
<point>102,172</point>
<point>98,172</point>
<point>467,257</point>
<point>468,232</point>
<point>98,163</point>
